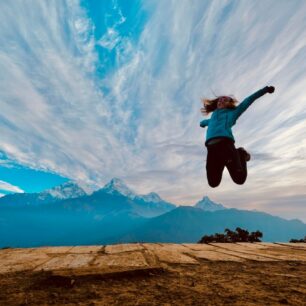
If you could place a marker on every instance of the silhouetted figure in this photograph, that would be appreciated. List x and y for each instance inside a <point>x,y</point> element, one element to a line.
<point>221,150</point>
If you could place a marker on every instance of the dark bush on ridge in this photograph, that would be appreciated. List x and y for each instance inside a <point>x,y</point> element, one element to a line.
<point>239,235</point>
<point>298,240</point>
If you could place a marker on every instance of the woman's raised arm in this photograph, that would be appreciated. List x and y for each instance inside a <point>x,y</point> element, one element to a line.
<point>242,107</point>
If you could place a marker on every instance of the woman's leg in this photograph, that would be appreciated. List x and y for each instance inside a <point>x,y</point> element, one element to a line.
<point>237,165</point>
<point>214,165</point>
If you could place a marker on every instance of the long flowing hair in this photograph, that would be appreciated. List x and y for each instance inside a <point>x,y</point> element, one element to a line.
<point>209,105</point>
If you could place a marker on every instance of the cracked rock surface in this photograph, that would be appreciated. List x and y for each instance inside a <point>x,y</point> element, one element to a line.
<point>155,274</point>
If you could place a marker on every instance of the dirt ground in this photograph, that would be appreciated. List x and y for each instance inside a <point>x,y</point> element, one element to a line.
<point>210,283</point>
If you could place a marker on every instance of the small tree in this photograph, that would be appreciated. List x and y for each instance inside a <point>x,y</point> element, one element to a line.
<point>231,235</point>
<point>243,235</point>
<point>240,235</point>
<point>254,236</point>
<point>206,239</point>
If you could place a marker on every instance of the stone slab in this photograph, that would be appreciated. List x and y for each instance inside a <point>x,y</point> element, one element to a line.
<point>134,259</point>
<point>166,246</point>
<point>86,249</point>
<point>285,254</point>
<point>251,245</point>
<point>175,247</point>
<point>153,246</point>
<point>299,245</point>
<point>52,250</point>
<point>282,252</point>
<point>68,261</point>
<point>229,249</point>
<point>171,253</point>
<point>276,246</point>
<point>249,248</point>
<point>18,261</point>
<point>178,253</point>
<point>174,257</point>
<point>215,256</point>
<point>119,248</point>
<point>17,250</point>
<point>199,246</point>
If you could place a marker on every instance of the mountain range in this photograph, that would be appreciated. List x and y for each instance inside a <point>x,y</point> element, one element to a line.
<point>67,215</point>
<point>68,190</point>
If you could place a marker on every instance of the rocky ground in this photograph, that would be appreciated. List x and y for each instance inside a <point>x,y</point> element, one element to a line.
<point>155,274</point>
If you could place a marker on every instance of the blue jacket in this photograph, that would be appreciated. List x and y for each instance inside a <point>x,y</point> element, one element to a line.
<point>221,121</point>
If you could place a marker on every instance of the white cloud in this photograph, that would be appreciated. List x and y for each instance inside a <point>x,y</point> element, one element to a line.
<point>9,187</point>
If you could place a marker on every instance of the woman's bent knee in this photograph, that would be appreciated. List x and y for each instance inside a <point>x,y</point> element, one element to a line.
<point>240,180</point>
<point>214,184</point>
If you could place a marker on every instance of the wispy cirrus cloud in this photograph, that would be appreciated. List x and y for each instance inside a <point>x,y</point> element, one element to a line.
<point>53,114</point>
<point>228,48</point>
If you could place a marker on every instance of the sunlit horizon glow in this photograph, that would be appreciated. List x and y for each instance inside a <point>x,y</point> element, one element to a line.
<point>92,90</point>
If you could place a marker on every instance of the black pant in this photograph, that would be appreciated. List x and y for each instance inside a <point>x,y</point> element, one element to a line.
<point>224,154</point>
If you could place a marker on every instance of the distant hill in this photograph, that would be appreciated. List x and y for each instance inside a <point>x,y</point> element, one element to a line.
<point>189,224</point>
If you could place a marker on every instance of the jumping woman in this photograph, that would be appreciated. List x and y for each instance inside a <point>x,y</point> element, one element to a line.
<point>221,150</point>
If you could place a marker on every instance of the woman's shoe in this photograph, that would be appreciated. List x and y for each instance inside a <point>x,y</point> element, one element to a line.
<point>246,154</point>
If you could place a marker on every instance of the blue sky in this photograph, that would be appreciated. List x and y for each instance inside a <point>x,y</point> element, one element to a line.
<point>18,178</point>
<point>92,90</point>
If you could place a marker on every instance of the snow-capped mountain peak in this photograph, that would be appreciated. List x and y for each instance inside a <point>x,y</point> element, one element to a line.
<point>151,197</point>
<point>117,185</point>
<point>208,205</point>
<point>68,190</point>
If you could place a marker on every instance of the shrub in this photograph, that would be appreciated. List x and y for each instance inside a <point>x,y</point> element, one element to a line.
<point>298,240</point>
<point>239,235</point>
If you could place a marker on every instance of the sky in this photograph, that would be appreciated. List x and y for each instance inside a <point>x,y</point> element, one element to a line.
<point>91,90</point>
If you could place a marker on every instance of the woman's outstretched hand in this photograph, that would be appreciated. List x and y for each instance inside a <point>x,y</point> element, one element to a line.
<point>270,89</point>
